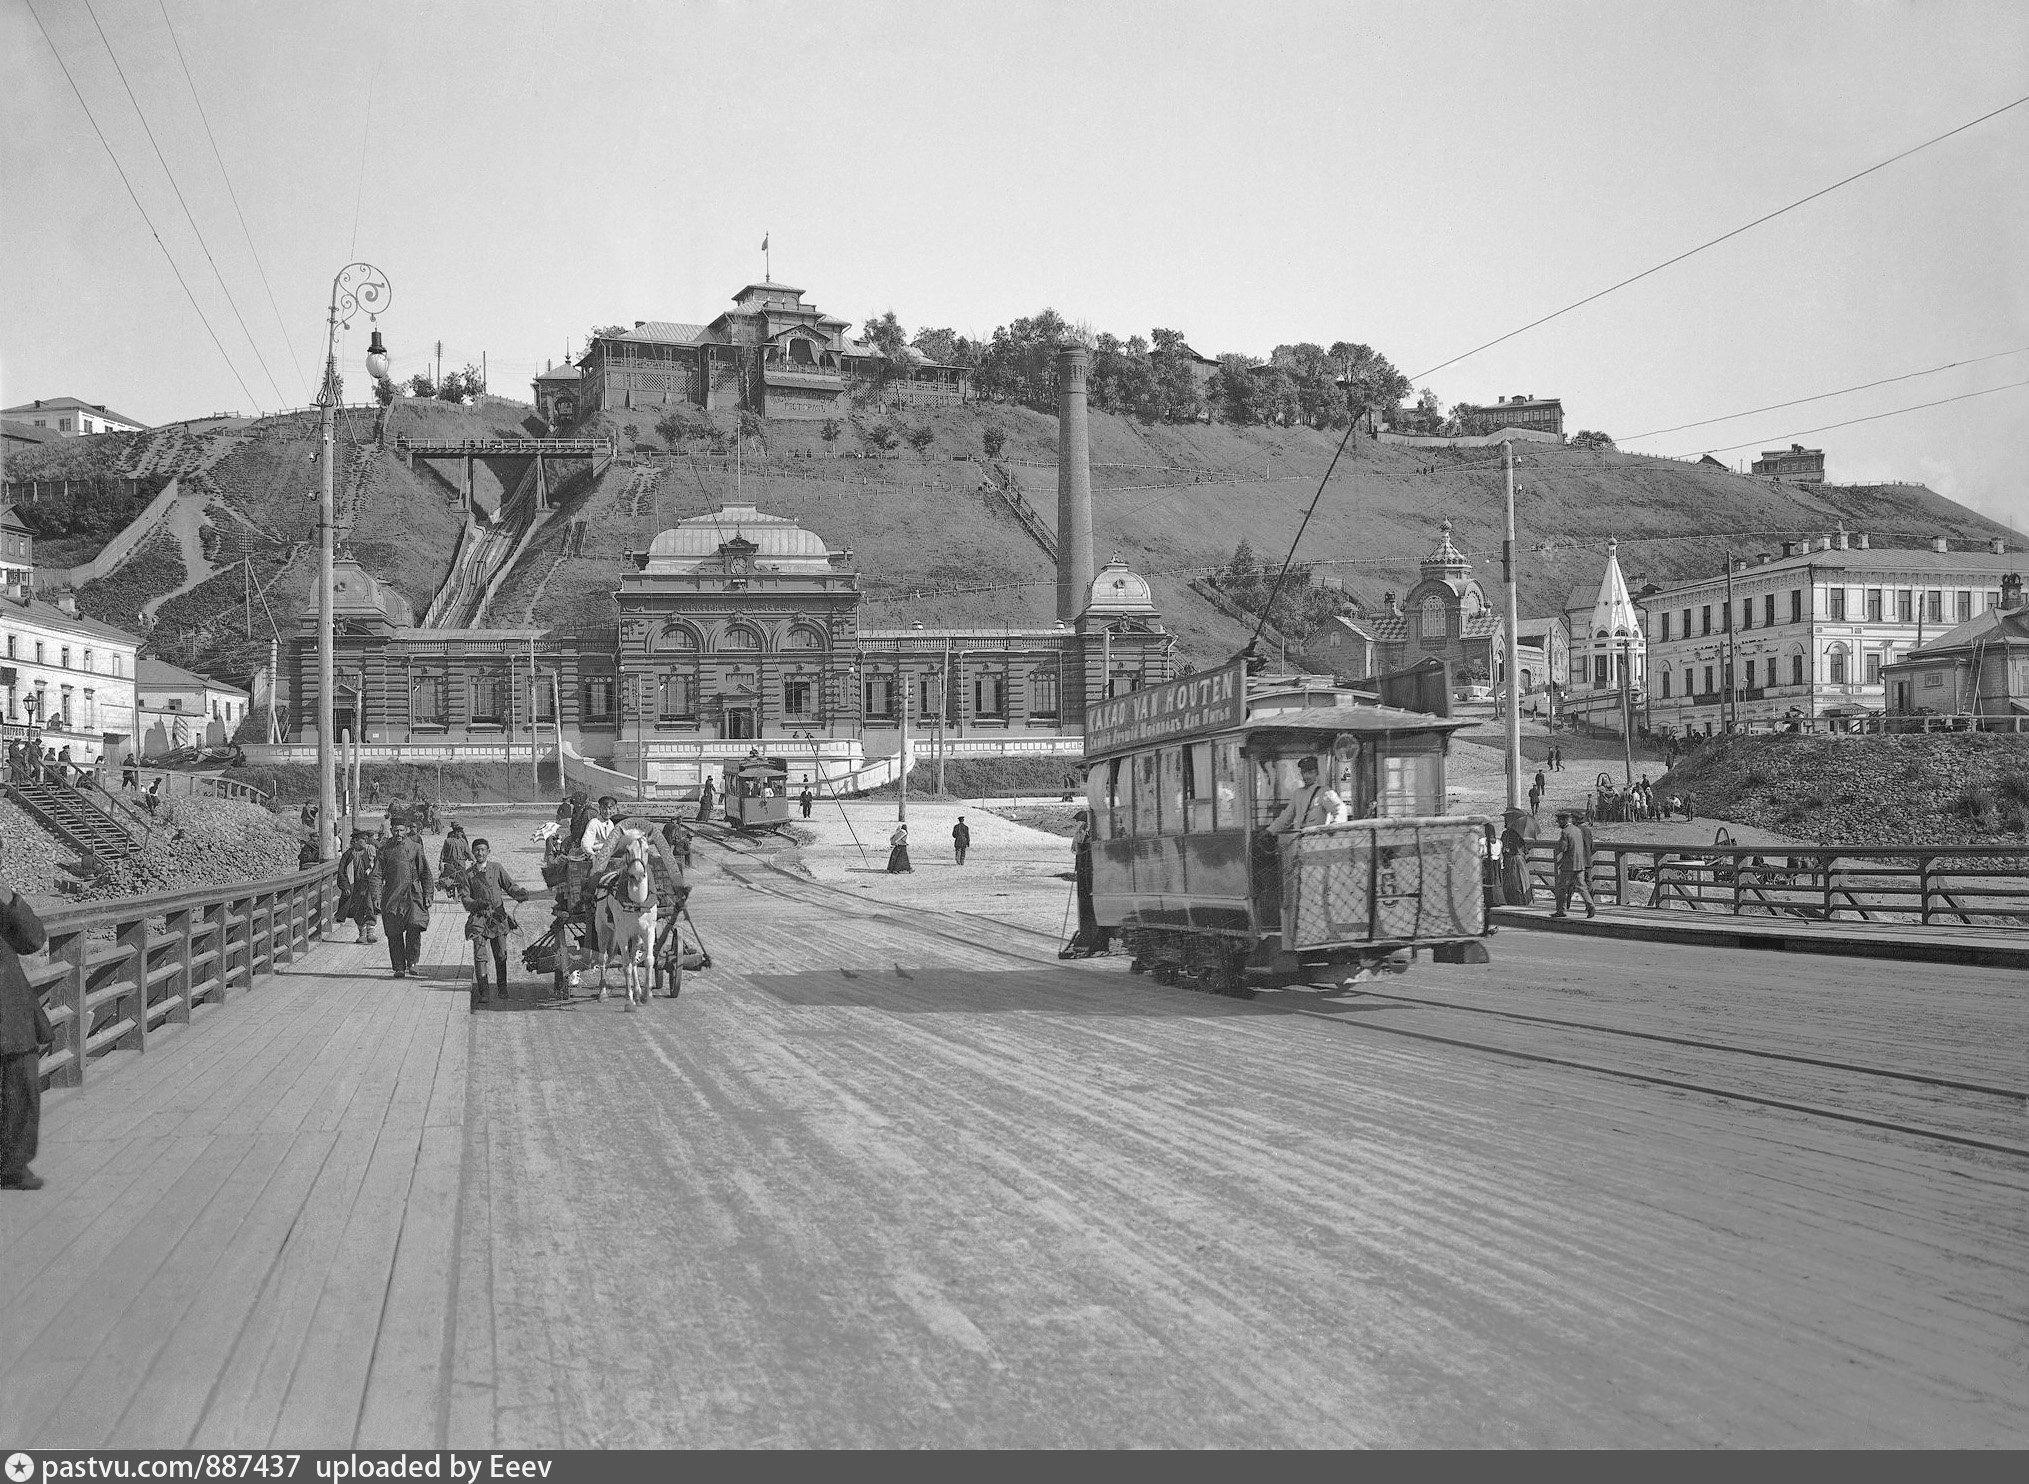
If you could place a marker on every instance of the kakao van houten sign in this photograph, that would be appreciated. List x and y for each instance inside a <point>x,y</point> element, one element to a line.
<point>1189,707</point>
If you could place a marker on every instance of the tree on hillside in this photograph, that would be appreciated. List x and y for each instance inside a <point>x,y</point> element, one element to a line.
<point>1300,605</point>
<point>1376,384</point>
<point>993,439</point>
<point>420,385</point>
<point>832,430</point>
<point>1018,364</point>
<point>946,347</point>
<point>604,332</point>
<point>1176,394</point>
<point>1590,438</point>
<point>1236,391</point>
<point>459,386</point>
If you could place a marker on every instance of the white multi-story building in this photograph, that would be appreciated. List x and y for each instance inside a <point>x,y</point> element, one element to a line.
<point>73,418</point>
<point>65,679</point>
<point>1805,635</point>
<point>180,708</point>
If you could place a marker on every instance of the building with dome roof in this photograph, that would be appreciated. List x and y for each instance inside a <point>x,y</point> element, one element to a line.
<point>1446,616</point>
<point>738,628</point>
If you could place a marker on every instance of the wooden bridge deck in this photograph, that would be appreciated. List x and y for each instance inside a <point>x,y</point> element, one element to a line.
<point>868,1185</point>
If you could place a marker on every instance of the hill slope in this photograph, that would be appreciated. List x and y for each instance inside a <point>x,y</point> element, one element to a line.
<point>938,548</point>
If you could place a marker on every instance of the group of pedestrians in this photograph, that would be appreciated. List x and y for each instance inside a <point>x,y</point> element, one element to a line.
<point>898,846</point>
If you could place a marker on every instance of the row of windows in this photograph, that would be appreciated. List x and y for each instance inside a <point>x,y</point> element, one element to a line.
<point>740,639</point>
<point>89,659</point>
<point>1192,789</point>
<point>58,713</point>
<point>1756,673</point>
<point>1935,605</point>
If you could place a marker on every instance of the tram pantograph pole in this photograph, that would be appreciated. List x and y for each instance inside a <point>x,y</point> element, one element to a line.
<point>1513,687</point>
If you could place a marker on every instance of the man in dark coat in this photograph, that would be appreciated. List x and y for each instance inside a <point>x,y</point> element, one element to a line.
<point>804,799</point>
<point>406,887</point>
<point>704,800</point>
<point>961,839</point>
<point>359,885</point>
<point>24,1032</point>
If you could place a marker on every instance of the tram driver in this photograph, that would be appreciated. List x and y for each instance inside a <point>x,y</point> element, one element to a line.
<point>1311,805</point>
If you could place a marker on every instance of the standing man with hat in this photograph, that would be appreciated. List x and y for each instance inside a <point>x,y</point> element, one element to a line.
<point>24,1032</point>
<point>359,885</point>
<point>1574,864</point>
<point>406,888</point>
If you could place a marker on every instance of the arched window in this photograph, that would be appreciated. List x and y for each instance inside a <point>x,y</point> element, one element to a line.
<point>1434,623</point>
<point>802,636</point>
<point>740,638</point>
<point>675,638</point>
<point>1835,658</point>
<point>801,353</point>
<point>1666,682</point>
<point>1796,668</point>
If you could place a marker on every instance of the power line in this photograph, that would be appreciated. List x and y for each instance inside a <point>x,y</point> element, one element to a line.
<point>365,133</point>
<point>132,196</point>
<point>203,246</point>
<point>1871,417</point>
<point>1724,237</point>
<point>245,230</point>
<point>1821,396</point>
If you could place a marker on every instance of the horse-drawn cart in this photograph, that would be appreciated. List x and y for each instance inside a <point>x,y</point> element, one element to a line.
<point>571,944</point>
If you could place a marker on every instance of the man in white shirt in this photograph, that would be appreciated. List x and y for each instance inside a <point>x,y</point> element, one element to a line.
<point>600,827</point>
<point>1312,804</point>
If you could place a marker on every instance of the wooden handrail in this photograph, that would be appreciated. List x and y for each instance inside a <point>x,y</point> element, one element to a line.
<point>210,941</point>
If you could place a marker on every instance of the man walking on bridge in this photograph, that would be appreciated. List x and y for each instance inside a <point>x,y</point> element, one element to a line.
<point>406,888</point>
<point>1574,866</point>
<point>24,1032</point>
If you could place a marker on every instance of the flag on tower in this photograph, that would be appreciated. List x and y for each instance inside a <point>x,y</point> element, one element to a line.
<point>764,242</point>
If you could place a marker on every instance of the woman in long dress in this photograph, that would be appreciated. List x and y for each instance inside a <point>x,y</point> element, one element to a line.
<point>898,851</point>
<point>1516,888</point>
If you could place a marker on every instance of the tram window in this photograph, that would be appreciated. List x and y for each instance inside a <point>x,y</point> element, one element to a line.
<point>1146,817</point>
<point>1099,799</point>
<point>1409,785</point>
<point>1172,790</point>
<point>1198,788</point>
<point>1227,786</point>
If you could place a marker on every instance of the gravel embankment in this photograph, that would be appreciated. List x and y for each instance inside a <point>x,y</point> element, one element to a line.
<point>205,842</point>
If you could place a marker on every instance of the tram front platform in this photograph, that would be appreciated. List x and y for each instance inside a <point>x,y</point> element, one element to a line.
<point>885,1178</point>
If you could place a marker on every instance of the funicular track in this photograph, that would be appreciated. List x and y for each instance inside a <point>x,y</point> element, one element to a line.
<point>1986,1105</point>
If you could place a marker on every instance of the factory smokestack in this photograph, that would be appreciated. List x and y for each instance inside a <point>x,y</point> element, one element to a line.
<point>1074,485</point>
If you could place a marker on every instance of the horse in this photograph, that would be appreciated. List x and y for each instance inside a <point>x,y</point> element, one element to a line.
<point>625,915</point>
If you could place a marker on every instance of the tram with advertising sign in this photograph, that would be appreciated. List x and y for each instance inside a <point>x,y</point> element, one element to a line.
<point>757,793</point>
<point>1219,859</point>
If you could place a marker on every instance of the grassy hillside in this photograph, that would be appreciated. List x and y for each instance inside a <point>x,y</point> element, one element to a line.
<point>937,548</point>
<point>1943,789</point>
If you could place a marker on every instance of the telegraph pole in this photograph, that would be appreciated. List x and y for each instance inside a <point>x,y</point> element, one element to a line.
<point>1512,690</point>
<point>1731,698</point>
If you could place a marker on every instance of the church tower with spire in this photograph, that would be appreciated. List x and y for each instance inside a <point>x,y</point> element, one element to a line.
<point>1603,642</point>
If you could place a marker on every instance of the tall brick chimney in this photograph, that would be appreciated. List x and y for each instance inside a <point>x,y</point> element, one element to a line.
<point>1074,485</point>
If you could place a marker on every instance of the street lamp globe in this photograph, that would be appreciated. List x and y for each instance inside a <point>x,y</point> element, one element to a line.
<point>376,358</point>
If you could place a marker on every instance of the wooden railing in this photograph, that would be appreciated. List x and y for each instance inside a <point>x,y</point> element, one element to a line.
<point>1959,885</point>
<point>115,972</point>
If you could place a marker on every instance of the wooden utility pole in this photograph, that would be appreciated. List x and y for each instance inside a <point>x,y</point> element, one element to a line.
<point>1730,698</point>
<point>1512,689</point>
<point>902,790</point>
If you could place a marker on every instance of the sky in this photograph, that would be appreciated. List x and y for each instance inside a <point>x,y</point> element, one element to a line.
<point>1422,178</point>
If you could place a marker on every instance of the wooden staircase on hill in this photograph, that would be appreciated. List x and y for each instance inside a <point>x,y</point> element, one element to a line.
<point>74,819</point>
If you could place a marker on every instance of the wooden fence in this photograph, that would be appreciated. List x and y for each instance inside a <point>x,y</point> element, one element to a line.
<point>1962,885</point>
<point>115,972</point>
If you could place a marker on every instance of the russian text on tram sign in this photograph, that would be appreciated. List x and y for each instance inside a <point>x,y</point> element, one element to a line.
<point>1186,707</point>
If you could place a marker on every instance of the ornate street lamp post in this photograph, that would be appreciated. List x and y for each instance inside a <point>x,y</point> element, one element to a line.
<point>358,287</point>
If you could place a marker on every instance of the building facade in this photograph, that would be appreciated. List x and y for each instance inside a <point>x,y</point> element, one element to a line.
<point>771,354</point>
<point>1796,463</point>
<point>1537,414</point>
<point>175,707</point>
<point>67,680</point>
<point>1446,616</point>
<point>17,550</point>
<point>1976,669</point>
<point>71,418</point>
<point>1807,634</point>
<point>737,629</point>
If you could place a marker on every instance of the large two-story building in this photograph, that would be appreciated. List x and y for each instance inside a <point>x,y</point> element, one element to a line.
<point>1806,634</point>
<point>65,680</point>
<point>737,628</point>
<point>771,354</point>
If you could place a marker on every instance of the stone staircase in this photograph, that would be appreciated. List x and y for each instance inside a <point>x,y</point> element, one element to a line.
<point>73,818</point>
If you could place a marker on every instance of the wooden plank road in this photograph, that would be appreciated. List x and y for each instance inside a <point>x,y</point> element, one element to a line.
<point>867,1185</point>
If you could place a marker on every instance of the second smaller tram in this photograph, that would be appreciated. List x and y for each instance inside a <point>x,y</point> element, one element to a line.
<point>757,793</point>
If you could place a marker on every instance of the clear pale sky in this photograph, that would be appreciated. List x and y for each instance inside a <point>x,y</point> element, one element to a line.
<point>1419,177</point>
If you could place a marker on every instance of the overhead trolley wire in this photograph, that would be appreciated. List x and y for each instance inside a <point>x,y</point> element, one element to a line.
<point>132,196</point>
<point>1822,396</point>
<point>1872,417</point>
<point>203,246</point>
<point>226,175</point>
<point>1723,237</point>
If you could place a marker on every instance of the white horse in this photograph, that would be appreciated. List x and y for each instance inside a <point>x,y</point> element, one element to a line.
<point>626,920</point>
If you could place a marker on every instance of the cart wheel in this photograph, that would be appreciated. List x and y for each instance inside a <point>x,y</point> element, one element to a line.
<point>673,972</point>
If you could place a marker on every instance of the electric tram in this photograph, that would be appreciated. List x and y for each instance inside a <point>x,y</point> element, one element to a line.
<point>757,793</point>
<point>1201,861</point>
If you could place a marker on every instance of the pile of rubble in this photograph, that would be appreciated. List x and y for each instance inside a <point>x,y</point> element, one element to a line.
<point>31,861</point>
<point>204,842</point>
